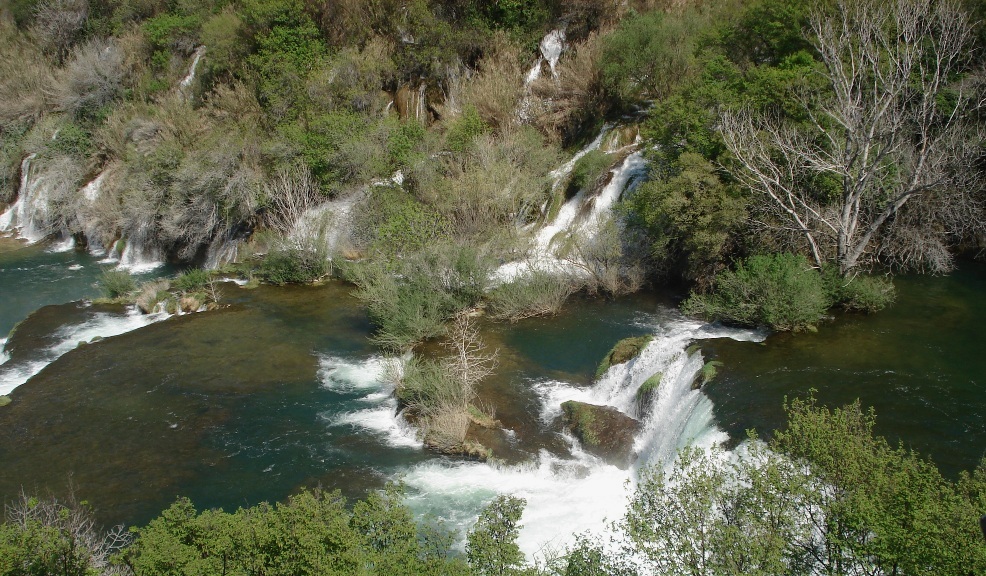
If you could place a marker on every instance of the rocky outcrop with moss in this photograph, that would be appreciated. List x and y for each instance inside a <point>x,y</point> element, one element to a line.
<point>603,431</point>
<point>624,351</point>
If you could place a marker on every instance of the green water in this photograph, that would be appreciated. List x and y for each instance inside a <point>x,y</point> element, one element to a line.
<point>921,364</point>
<point>227,407</point>
<point>32,276</point>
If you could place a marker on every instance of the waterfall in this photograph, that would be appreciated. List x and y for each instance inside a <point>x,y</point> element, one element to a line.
<point>4,355</point>
<point>186,82</point>
<point>550,50</point>
<point>566,494</point>
<point>582,214</point>
<point>27,216</point>
<point>324,227</point>
<point>139,252</point>
<point>222,250</point>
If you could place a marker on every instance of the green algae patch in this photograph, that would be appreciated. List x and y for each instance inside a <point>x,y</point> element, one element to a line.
<point>624,351</point>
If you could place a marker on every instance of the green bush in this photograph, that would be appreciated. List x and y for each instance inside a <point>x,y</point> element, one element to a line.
<point>649,55</point>
<point>117,283</point>
<point>73,141</point>
<point>464,129</point>
<point>539,293</point>
<point>860,293</point>
<point>781,291</point>
<point>293,266</point>
<point>588,171</point>
<point>402,143</point>
<point>410,299</point>
<point>192,280</point>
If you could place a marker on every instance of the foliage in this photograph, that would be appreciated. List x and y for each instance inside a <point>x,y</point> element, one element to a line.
<point>393,222</point>
<point>649,55</point>
<point>535,293</point>
<point>52,537</point>
<point>71,140</point>
<point>781,291</point>
<point>692,217</point>
<point>491,546</point>
<point>463,129</point>
<point>410,299</point>
<point>192,280</point>
<point>859,292</point>
<point>117,283</point>
<point>826,496</point>
<point>311,533</point>
<point>588,172</point>
<point>289,265</point>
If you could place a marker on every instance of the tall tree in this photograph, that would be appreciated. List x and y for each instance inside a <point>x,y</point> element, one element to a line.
<point>889,129</point>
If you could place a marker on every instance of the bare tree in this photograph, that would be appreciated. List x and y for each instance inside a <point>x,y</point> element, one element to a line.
<point>91,79</point>
<point>59,23</point>
<point>887,131</point>
<point>469,361</point>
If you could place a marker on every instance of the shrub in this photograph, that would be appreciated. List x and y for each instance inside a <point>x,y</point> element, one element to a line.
<point>588,172</point>
<point>192,280</point>
<point>293,266</point>
<point>781,291</point>
<point>860,293</point>
<point>411,298</point>
<point>391,221</point>
<point>117,283</point>
<point>539,293</point>
<point>462,130</point>
<point>649,55</point>
<point>91,80</point>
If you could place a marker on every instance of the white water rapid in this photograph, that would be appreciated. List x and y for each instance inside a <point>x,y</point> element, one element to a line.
<point>566,494</point>
<point>13,373</point>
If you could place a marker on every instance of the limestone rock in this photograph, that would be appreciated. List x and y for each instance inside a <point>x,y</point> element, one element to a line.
<point>603,431</point>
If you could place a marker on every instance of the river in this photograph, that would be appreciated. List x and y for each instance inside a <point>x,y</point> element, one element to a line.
<point>281,389</point>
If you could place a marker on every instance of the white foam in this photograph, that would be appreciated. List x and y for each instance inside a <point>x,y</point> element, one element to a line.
<point>190,76</point>
<point>27,217</point>
<point>4,355</point>
<point>68,338</point>
<point>567,496</point>
<point>368,378</point>
<point>582,214</point>
<point>63,245</point>
<point>347,375</point>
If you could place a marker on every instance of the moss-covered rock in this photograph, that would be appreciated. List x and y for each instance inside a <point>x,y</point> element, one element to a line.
<point>707,374</point>
<point>647,392</point>
<point>4,400</point>
<point>624,351</point>
<point>602,430</point>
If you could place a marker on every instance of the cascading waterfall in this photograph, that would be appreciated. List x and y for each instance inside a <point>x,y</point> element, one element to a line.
<point>27,216</point>
<point>551,47</point>
<point>222,250</point>
<point>4,355</point>
<point>139,253</point>
<point>186,82</point>
<point>327,225</point>
<point>566,494</point>
<point>582,214</point>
